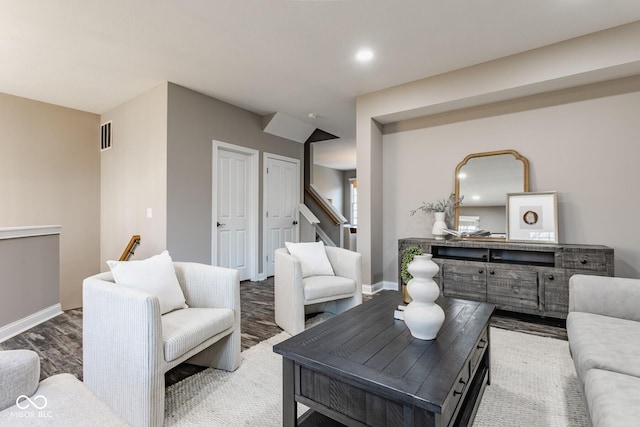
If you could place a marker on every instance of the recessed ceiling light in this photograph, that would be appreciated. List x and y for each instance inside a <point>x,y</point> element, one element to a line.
<point>364,55</point>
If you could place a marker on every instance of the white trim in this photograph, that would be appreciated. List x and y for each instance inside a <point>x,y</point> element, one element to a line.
<point>253,208</point>
<point>265,195</point>
<point>31,231</point>
<point>19,326</point>
<point>377,287</point>
<point>307,214</point>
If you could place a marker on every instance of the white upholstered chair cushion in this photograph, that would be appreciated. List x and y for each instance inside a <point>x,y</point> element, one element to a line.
<point>155,275</point>
<point>313,258</point>
<point>182,330</point>
<point>318,288</point>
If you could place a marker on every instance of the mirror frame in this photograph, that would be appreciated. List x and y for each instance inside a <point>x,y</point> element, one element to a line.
<point>515,154</point>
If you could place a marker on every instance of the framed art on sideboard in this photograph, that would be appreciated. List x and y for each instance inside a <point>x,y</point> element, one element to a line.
<point>532,217</point>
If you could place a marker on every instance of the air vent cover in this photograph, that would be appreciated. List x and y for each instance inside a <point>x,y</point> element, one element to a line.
<point>105,138</point>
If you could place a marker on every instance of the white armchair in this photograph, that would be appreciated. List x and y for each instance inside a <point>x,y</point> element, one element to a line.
<point>296,296</point>
<point>128,345</point>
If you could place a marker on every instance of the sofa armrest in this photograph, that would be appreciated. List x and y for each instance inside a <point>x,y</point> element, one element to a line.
<point>19,375</point>
<point>288,291</point>
<point>122,333</point>
<point>208,286</point>
<point>607,296</point>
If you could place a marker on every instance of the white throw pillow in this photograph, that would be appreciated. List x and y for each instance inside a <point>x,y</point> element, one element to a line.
<point>313,258</point>
<point>155,275</point>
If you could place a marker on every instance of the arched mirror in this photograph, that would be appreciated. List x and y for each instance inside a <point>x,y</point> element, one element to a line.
<point>483,181</point>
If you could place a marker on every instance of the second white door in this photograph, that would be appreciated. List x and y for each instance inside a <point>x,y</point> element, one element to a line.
<point>281,199</point>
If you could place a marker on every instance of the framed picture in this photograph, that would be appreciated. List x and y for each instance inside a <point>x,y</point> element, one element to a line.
<point>532,217</point>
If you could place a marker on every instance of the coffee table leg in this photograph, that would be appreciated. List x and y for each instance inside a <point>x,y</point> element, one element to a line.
<point>289,407</point>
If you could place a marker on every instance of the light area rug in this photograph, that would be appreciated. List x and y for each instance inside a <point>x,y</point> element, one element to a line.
<point>533,383</point>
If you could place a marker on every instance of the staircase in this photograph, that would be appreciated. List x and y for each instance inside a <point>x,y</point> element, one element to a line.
<point>330,224</point>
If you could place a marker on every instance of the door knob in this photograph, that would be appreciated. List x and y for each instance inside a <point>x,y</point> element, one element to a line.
<point>295,222</point>
<point>220,225</point>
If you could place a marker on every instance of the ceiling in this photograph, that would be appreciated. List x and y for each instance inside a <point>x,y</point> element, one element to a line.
<point>289,56</point>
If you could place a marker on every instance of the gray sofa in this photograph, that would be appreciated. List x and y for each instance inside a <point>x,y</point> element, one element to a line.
<point>603,326</point>
<point>60,400</point>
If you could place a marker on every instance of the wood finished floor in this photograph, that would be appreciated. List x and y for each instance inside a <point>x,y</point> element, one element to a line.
<point>59,341</point>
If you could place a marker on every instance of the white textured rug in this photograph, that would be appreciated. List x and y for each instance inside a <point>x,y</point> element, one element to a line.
<point>533,383</point>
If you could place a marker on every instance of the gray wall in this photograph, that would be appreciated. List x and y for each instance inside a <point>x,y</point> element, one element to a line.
<point>330,183</point>
<point>584,146</point>
<point>194,121</point>
<point>422,129</point>
<point>50,174</point>
<point>30,277</point>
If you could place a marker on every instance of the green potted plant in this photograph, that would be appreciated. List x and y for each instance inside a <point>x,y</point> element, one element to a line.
<point>407,256</point>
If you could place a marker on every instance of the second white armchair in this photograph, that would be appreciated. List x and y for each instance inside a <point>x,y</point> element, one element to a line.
<point>296,295</point>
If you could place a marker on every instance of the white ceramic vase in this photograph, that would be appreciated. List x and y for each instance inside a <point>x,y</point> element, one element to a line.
<point>438,226</point>
<point>423,316</point>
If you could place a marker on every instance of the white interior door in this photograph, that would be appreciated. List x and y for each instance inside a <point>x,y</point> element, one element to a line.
<point>234,206</point>
<point>281,199</point>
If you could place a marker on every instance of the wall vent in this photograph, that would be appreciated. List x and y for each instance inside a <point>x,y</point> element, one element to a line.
<point>105,136</point>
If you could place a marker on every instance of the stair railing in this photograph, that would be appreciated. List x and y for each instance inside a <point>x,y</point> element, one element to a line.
<point>131,247</point>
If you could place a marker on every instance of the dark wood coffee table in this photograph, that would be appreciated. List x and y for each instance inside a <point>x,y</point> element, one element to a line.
<point>363,367</point>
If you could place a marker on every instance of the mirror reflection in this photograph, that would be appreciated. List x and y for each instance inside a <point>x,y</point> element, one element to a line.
<point>483,180</point>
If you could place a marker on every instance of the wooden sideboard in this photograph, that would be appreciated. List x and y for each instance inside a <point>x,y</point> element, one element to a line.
<point>521,277</point>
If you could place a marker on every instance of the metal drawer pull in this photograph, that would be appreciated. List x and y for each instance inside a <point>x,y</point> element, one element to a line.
<point>480,271</point>
<point>551,277</point>
<point>456,392</point>
<point>583,261</point>
<point>482,344</point>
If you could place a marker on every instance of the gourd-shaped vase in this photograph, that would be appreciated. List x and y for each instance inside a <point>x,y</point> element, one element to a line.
<point>438,226</point>
<point>423,316</point>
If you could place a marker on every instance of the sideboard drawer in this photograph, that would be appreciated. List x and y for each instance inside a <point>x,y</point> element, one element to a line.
<point>467,280</point>
<point>584,261</point>
<point>512,287</point>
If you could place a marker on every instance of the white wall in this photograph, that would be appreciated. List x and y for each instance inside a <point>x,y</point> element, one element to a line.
<point>134,177</point>
<point>580,143</point>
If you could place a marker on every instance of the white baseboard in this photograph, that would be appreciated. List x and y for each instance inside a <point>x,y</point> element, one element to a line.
<point>19,326</point>
<point>377,287</point>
